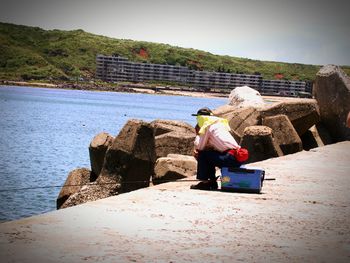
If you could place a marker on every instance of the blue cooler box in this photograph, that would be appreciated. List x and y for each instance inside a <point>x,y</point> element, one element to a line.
<point>242,179</point>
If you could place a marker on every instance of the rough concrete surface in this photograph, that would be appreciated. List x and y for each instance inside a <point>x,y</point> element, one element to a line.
<point>302,216</point>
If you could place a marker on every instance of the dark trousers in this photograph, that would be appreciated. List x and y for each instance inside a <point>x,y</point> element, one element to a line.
<point>208,160</point>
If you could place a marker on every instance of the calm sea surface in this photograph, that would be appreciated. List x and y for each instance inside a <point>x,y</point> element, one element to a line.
<point>45,133</point>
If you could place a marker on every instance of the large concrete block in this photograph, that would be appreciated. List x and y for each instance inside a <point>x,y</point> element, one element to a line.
<point>76,179</point>
<point>245,117</point>
<point>128,165</point>
<point>164,126</point>
<point>97,151</point>
<point>284,133</point>
<point>332,92</point>
<point>224,111</point>
<point>172,137</point>
<point>174,142</point>
<point>316,136</point>
<point>260,143</point>
<point>239,118</point>
<point>302,113</point>
<point>131,156</point>
<point>174,167</point>
<point>103,187</point>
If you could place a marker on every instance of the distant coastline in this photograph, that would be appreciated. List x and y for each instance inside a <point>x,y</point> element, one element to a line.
<point>132,88</point>
<point>126,88</point>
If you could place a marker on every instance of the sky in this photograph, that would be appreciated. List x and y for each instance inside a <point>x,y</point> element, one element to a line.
<point>294,31</point>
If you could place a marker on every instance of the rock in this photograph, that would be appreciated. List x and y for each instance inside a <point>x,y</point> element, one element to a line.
<point>303,113</point>
<point>260,143</point>
<point>284,133</point>
<point>174,167</point>
<point>236,136</point>
<point>243,118</point>
<point>332,92</point>
<point>310,140</point>
<point>322,133</point>
<point>97,151</point>
<point>128,165</point>
<point>75,181</point>
<point>239,118</point>
<point>173,137</point>
<point>245,97</point>
<point>129,159</point>
<point>103,187</point>
<point>174,142</point>
<point>224,111</point>
<point>164,126</point>
<point>316,136</point>
<point>131,156</point>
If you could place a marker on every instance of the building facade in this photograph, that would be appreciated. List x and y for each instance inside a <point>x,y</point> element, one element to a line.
<point>116,69</point>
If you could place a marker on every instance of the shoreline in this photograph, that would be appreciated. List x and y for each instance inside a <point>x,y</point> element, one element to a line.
<point>138,89</point>
<point>122,89</point>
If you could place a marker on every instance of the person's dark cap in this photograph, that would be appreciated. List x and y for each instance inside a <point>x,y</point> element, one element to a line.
<point>203,111</point>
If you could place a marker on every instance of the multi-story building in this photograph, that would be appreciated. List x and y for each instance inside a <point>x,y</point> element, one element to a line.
<point>116,69</point>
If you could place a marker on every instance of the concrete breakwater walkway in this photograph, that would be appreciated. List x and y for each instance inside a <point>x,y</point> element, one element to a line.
<point>302,216</point>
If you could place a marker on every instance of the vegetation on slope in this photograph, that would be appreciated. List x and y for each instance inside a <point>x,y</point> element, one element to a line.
<point>31,53</point>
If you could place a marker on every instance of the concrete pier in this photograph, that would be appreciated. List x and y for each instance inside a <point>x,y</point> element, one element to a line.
<point>302,216</point>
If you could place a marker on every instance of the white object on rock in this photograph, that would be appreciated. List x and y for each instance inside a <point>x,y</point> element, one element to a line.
<point>244,97</point>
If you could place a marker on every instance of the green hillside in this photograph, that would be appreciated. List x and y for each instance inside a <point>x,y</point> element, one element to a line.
<point>31,53</point>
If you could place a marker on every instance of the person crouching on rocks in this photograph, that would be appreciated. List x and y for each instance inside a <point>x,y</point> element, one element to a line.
<point>214,147</point>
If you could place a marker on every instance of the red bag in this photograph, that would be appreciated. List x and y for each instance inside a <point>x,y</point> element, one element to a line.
<point>240,154</point>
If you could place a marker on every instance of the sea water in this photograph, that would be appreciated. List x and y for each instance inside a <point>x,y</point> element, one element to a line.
<point>45,134</point>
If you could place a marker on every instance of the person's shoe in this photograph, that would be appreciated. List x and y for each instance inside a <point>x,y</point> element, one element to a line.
<point>205,185</point>
<point>214,185</point>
